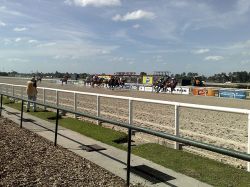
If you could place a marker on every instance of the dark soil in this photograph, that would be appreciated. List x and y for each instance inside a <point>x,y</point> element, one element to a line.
<point>26,159</point>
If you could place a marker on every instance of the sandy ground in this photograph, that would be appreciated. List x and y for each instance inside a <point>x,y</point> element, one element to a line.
<point>224,129</point>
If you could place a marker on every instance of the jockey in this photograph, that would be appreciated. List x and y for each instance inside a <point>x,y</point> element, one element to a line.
<point>95,77</point>
<point>172,80</point>
<point>161,80</point>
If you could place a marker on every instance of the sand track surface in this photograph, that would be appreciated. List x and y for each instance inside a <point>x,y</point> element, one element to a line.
<point>228,130</point>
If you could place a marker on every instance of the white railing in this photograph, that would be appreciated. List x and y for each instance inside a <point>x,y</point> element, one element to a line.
<point>10,89</point>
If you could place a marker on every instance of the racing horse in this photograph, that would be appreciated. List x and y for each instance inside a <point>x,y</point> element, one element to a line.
<point>165,83</point>
<point>116,82</point>
<point>97,81</point>
<point>171,84</point>
<point>64,79</point>
<point>39,78</point>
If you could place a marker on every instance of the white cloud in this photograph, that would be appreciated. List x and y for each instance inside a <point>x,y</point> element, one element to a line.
<point>104,52</point>
<point>136,15</point>
<point>121,59</point>
<point>17,60</point>
<point>4,10</point>
<point>201,51</point>
<point>17,29</point>
<point>47,44</point>
<point>214,58</point>
<point>245,44</point>
<point>2,24</point>
<point>63,57</point>
<point>32,41</point>
<point>18,39</point>
<point>95,3</point>
<point>136,26</point>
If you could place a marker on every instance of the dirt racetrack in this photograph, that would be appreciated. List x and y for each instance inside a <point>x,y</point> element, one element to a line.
<point>224,129</point>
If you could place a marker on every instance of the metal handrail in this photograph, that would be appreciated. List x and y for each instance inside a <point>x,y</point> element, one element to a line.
<point>224,151</point>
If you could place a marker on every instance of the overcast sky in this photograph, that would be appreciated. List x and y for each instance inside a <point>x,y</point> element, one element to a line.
<point>106,36</point>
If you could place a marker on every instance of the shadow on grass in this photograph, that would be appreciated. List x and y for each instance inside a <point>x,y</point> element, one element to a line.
<point>153,175</point>
<point>54,117</point>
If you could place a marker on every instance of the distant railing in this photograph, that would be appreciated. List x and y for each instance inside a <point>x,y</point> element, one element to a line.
<point>9,89</point>
<point>130,127</point>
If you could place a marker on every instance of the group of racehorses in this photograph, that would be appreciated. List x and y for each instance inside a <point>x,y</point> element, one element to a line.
<point>113,82</point>
<point>164,83</point>
<point>118,82</point>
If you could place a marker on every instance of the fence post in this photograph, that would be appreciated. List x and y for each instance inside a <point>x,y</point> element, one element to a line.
<point>129,156</point>
<point>75,103</point>
<point>1,105</point>
<point>22,96</point>
<point>130,121</point>
<point>98,108</point>
<point>130,112</point>
<point>248,143</point>
<point>56,129</point>
<point>21,121</point>
<point>6,89</point>
<point>57,98</point>
<point>44,98</point>
<point>13,90</point>
<point>177,146</point>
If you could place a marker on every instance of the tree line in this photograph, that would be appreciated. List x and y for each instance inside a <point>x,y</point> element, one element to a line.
<point>234,77</point>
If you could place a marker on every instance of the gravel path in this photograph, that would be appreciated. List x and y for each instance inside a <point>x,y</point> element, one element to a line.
<point>27,159</point>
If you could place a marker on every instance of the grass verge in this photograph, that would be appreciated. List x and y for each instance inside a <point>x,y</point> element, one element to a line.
<point>200,168</point>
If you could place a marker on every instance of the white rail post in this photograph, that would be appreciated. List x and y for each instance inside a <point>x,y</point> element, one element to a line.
<point>44,98</point>
<point>75,103</point>
<point>177,146</point>
<point>57,98</point>
<point>248,141</point>
<point>98,109</point>
<point>13,90</point>
<point>130,112</point>
<point>22,95</point>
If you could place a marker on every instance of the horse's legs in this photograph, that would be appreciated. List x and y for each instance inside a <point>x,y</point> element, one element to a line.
<point>158,89</point>
<point>164,88</point>
<point>172,88</point>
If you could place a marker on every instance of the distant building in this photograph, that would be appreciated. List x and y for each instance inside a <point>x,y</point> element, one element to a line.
<point>125,73</point>
<point>161,73</point>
